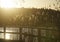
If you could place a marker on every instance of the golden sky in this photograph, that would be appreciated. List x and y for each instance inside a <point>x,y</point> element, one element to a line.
<point>29,3</point>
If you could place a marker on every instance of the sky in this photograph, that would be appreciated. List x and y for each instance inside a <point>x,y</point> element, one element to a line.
<point>42,3</point>
<point>34,3</point>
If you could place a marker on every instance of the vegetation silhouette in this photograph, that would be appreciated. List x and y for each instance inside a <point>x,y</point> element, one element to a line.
<point>31,17</point>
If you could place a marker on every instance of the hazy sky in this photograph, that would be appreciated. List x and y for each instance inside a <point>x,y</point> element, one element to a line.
<point>42,3</point>
<point>36,3</point>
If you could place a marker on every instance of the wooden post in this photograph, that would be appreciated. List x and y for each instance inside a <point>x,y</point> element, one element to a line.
<point>20,33</point>
<point>31,34</point>
<point>39,35</point>
<point>4,31</point>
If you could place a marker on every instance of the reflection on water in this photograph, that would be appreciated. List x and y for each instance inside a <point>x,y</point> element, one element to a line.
<point>7,36</point>
<point>1,35</point>
<point>10,33</point>
<point>10,29</point>
<point>28,34</point>
<point>12,36</point>
<point>1,29</point>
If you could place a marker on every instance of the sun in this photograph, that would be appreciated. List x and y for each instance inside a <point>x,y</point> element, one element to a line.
<point>8,4</point>
<point>7,36</point>
<point>12,3</point>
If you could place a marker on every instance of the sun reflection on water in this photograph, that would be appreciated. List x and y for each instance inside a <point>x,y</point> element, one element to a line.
<point>7,36</point>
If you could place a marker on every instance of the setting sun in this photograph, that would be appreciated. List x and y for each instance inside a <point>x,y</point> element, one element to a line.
<point>7,4</point>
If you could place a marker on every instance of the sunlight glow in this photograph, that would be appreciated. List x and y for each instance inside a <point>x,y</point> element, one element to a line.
<point>7,36</point>
<point>7,4</point>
